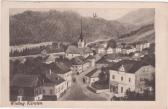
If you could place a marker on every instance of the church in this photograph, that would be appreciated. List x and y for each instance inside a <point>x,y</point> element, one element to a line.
<point>80,50</point>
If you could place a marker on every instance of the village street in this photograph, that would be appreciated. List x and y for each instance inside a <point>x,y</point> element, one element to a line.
<point>79,91</point>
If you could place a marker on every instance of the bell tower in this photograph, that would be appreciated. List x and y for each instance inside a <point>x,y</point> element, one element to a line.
<point>81,42</point>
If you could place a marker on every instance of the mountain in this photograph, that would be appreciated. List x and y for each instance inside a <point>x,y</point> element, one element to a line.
<point>139,17</point>
<point>33,27</point>
<point>143,29</point>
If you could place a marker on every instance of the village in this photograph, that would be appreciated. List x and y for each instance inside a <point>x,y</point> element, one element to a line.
<point>107,70</point>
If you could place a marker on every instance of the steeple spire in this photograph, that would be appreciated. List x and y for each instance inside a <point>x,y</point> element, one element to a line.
<point>81,42</point>
<point>81,34</point>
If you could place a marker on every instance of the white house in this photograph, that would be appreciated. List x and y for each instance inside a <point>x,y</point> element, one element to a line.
<point>80,64</point>
<point>110,50</point>
<point>125,76</point>
<point>142,45</point>
<point>100,50</point>
<point>53,86</point>
<point>120,81</point>
<point>63,71</point>
<point>92,76</point>
<point>118,49</point>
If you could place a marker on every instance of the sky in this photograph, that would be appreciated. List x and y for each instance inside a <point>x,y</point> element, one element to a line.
<point>106,13</point>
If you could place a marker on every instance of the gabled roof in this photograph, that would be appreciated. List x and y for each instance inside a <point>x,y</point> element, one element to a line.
<point>66,61</point>
<point>79,60</point>
<point>94,73</point>
<point>52,79</point>
<point>59,68</point>
<point>22,80</point>
<point>90,57</point>
<point>130,66</point>
<point>50,58</point>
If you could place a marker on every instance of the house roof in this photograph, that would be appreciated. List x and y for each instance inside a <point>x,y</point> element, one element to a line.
<point>67,62</point>
<point>78,60</point>
<point>94,73</point>
<point>52,79</point>
<point>75,50</point>
<point>59,68</point>
<point>22,80</point>
<point>50,58</point>
<point>130,66</point>
<point>107,59</point>
<point>90,57</point>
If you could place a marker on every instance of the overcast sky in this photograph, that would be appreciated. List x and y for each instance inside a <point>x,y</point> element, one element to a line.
<point>106,13</point>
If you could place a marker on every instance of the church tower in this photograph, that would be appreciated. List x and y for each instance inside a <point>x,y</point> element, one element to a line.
<point>81,42</point>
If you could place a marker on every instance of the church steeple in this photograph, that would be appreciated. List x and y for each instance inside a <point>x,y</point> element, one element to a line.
<point>81,34</point>
<point>81,42</point>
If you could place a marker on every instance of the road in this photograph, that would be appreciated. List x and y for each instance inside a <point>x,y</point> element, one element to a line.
<point>79,92</point>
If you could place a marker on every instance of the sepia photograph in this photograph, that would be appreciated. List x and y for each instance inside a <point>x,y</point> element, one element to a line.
<point>69,54</point>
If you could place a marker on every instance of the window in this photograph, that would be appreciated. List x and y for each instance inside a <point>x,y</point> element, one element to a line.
<point>121,89</point>
<point>113,76</point>
<point>121,78</point>
<point>129,79</point>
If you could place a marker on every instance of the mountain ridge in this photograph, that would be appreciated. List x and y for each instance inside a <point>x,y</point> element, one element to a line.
<point>35,27</point>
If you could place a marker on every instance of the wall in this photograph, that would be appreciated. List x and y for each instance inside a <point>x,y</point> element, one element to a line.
<point>125,83</point>
<point>145,72</point>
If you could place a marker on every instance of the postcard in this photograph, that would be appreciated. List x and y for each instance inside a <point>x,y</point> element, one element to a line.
<point>84,54</point>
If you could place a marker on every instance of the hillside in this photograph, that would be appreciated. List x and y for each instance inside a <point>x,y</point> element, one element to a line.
<point>33,27</point>
<point>139,17</point>
<point>143,29</point>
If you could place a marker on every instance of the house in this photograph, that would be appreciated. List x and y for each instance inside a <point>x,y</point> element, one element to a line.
<point>80,64</point>
<point>92,76</point>
<point>92,60</point>
<point>53,87</point>
<point>118,49</point>
<point>137,55</point>
<point>144,74</point>
<point>49,59</point>
<point>128,50</point>
<point>73,51</point>
<point>100,49</point>
<point>142,45</point>
<point>110,59</point>
<point>110,50</point>
<point>25,88</point>
<point>62,70</point>
<point>124,76</point>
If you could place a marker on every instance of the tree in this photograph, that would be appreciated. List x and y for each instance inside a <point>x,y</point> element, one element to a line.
<point>103,76</point>
<point>112,43</point>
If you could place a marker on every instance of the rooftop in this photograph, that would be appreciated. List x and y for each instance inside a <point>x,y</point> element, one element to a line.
<point>60,67</point>
<point>90,57</point>
<point>79,60</point>
<point>22,80</point>
<point>94,73</point>
<point>130,66</point>
<point>52,79</point>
